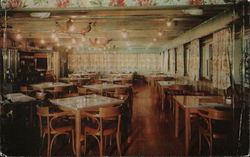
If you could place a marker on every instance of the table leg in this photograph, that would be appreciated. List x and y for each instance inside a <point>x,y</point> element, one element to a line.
<point>162,98</point>
<point>187,130</point>
<point>176,119</point>
<point>78,133</point>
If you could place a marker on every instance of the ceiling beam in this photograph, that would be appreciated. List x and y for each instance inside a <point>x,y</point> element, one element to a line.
<point>208,27</point>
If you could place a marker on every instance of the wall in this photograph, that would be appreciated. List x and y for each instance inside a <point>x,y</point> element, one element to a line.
<point>115,62</point>
<point>236,60</point>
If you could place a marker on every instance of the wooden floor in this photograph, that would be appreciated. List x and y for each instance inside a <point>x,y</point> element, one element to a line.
<point>151,132</point>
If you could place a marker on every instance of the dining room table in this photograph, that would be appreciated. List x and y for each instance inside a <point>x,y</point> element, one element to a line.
<point>151,78</point>
<point>19,97</point>
<point>47,85</point>
<point>81,103</point>
<point>101,88</point>
<point>190,105</point>
<point>113,80</point>
<point>23,100</point>
<point>165,85</point>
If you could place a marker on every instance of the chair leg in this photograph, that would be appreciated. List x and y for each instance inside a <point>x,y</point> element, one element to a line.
<point>118,142</point>
<point>51,144</point>
<point>101,145</point>
<point>199,143</point>
<point>73,142</point>
<point>85,143</point>
<point>48,147</point>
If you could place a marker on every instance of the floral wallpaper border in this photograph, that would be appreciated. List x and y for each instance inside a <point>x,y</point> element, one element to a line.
<point>102,3</point>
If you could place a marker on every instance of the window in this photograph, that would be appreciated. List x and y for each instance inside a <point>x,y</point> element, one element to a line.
<point>186,58</point>
<point>175,60</point>
<point>206,60</point>
<point>168,52</point>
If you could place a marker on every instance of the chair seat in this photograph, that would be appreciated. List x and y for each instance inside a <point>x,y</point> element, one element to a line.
<point>94,131</point>
<point>214,135</point>
<point>59,130</point>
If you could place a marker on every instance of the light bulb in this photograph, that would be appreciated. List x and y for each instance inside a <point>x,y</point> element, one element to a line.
<point>19,36</point>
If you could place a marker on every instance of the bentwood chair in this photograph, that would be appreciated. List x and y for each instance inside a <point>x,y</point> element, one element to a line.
<point>214,124</point>
<point>101,124</point>
<point>54,124</point>
<point>56,92</point>
<point>83,91</point>
<point>26,90</point>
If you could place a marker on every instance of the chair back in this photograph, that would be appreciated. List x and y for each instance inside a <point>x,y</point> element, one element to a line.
<point>215,114</point>
<point>81,91</point>
<point>23,89</point>
<point>59,89</point>
<point>43,116</point>
<point>120,91</point>
<point>40,95</point>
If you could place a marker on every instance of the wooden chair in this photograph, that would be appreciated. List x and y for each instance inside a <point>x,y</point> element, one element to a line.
<point>83,91</point>
<point>41,96</point>
<point>193,93</point>
<point>25,90</point>
<point>107,122</point>
<point>56,91</point>
<point>208,128</point>
<point>53,125</point>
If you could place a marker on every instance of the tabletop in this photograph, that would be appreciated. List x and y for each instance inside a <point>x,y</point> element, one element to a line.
<point>19,97</point>
<point>113,79</point>
<point>167,83</point>
<point>87,101</point>
<point>105,86</point>
<point>50,85</point>
<point>73,78</point>
<point>196,101</point>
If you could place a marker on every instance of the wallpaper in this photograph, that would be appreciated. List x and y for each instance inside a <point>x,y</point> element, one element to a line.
<point>114,62</point>
<point>101,3</point>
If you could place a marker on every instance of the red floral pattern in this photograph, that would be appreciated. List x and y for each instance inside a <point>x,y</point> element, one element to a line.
<point>195,2</point>
<point>14,4</point>
<point>144,2</point>
<point>62,3</point>
<point>117,3</point>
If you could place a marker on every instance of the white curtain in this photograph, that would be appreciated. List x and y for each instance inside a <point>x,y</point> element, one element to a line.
<point>221,56</point>
<point>106,62</point>
<point>194,60</point>
<point>180,61</point>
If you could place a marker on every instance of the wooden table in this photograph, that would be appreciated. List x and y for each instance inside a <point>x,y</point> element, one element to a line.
<point>46,85</point>
<point>190,104</point>
<point>19,97</point>
<point>22,99</point>
<point>80,103</point>
<point>152,78</point>
<point>113,80</point>
<point>104,87</point>
<point>163,85</point>
<point>70,79</point>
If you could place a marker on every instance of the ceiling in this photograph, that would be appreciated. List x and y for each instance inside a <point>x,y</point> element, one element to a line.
<point>100,30</point>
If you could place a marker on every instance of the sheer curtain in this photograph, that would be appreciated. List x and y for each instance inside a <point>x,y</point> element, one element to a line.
<point>106,62</point>
<point>221,59</point>
<point>180,61</point>
<point>194,60</point>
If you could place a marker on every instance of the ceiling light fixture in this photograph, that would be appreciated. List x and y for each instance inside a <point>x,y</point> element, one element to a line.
<point>160,33</point>
<point>42,41</point>
<point>70,25</point>
<point>19,36</point>
<point>169,22</point>
<point>40,14</point>
<point>124,34</point>
<point>194,11</point>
